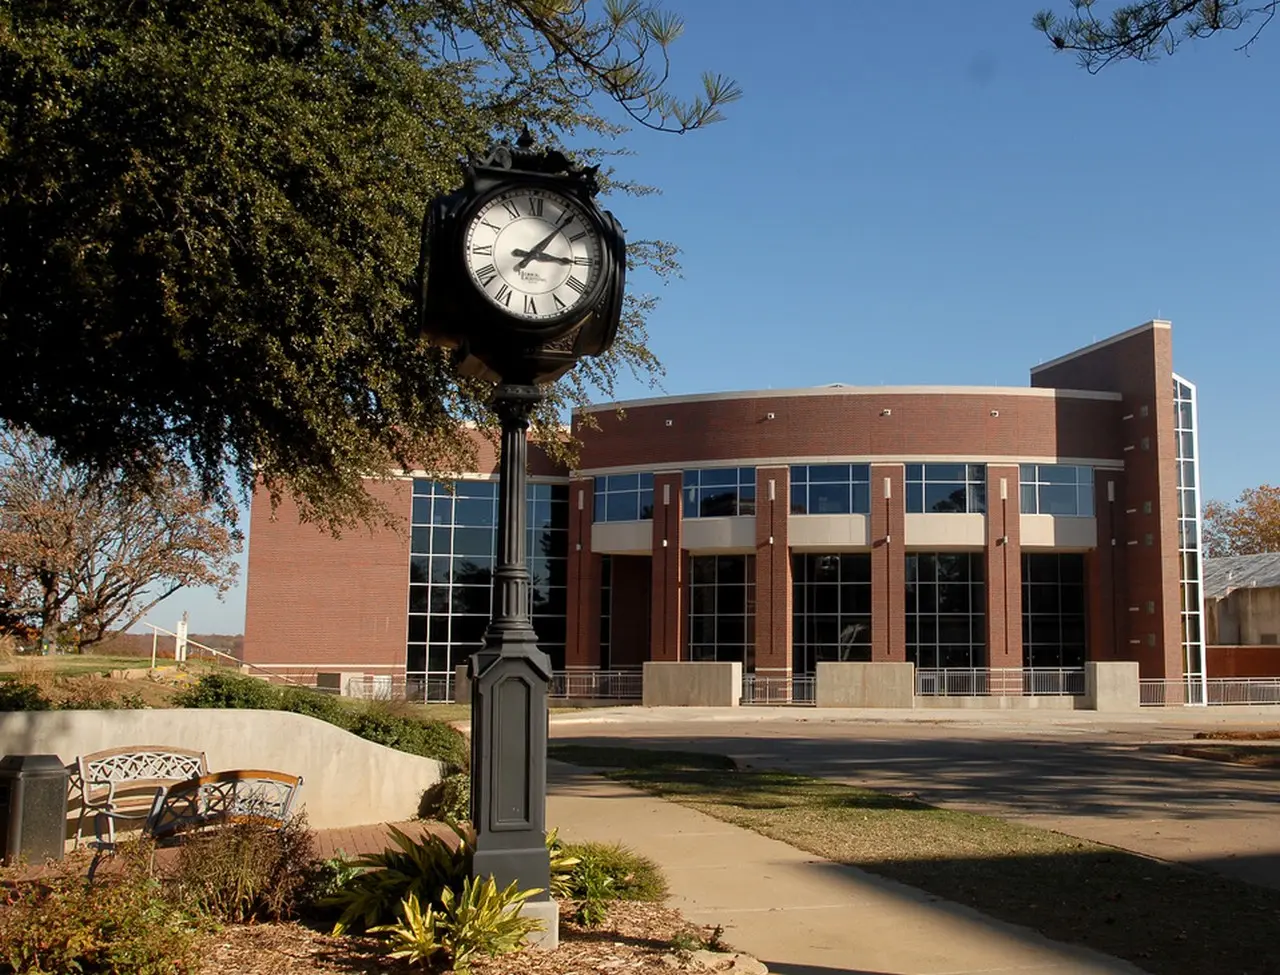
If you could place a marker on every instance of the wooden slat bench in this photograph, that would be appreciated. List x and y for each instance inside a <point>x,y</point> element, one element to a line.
<point>123,783</point>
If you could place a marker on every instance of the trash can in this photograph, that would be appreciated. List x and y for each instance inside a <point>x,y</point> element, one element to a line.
<point>33,808</point>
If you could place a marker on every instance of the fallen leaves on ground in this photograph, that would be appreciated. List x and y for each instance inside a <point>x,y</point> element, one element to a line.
<point>636,937</point>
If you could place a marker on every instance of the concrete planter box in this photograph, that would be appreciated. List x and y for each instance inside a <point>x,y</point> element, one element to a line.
<point>865,685</point>
<point>1111,685</point>
<point>691,684</point>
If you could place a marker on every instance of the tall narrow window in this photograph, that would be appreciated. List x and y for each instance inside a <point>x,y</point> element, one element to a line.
<point>1189,532</point>
<point>946,609</point>
<point>722,608</point>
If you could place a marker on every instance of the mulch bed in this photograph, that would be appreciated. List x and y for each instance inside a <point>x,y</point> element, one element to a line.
<point>634,938</point>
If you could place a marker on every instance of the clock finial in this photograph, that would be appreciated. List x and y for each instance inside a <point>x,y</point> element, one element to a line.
<point>526,139</point>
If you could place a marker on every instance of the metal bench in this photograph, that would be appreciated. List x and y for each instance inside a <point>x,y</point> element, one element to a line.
<point>209,802</point>
<point>123,783</point>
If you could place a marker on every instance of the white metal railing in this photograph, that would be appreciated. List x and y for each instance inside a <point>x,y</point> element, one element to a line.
<point>999,681</point>
<point>1220,691</point>
<point>183,645</point>
<point>601,685</point>
<point>796,689</point>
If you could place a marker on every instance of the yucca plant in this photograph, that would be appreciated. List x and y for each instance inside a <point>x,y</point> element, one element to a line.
<point>562,866</point>
<point>484,919</point>
<point>422,868</point>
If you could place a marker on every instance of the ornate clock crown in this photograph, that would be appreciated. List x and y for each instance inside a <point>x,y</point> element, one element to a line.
<point>505,160</point>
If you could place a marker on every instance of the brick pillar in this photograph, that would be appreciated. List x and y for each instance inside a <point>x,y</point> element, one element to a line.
<point>666,632</point>
<point>888,564</point>
<point>1105,607</point>
<point>773,572</point>
<point>1003,585</point>
<point>582,609</point>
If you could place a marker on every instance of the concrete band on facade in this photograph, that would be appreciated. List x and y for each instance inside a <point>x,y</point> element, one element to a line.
<point>621,593</point>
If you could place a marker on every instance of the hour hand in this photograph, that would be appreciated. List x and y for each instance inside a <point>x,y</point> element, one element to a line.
<point>540,256</point>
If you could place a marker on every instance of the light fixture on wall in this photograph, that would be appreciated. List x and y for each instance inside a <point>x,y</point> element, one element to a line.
<point>771,416</point>
<point>886,412</point>
<point>669,423</point>
<point>995,412</point>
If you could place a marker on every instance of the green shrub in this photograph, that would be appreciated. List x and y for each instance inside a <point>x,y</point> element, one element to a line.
<point>479,919</point>
<point>449,800</point>
<point>432,739</point>
<point>247,871</point>
<point>21,696</point>
<point>594,888</point>
<point>314,704</point>
<point>325,878</point>
<point>229,691</point>
<point>632,877</point>
<point>121,925</point>
<point>424,868</point>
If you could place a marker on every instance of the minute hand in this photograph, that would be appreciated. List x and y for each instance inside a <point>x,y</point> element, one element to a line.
<point>530,256</point>
<point>540,246</point>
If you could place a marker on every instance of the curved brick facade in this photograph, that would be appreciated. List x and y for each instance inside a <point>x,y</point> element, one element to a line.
<point>1107,408</point>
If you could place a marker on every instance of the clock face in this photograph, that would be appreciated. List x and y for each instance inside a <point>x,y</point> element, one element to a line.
<point>533,253</point>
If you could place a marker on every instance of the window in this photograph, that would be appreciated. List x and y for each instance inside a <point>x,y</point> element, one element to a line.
<point>722,608</point>
<point>1189,528</point>
<point>946,609</point>
<point>453,548</point>
<point>831,489</point>
<point>831,605</point>
<point>1053,611</point>
<point>956,488</point>
<point>1056,489</point>
<point>624,497</point>
<point>719,492</point>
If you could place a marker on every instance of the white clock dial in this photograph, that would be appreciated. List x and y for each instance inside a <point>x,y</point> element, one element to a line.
<point>533,252</point>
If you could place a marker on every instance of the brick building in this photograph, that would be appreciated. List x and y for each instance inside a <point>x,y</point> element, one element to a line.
<point>954,527</point>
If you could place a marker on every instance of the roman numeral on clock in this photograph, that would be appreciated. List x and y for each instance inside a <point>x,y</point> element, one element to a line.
<point>560,305</point>
<point>483,250</point>
<point>582,261</point>
<point>511,208</point>
<point>535,206</point>
<point>579,235</point>
<point>486,274</point>
<point>576,285</point>
<point>529,307</point>
<point>503,295</point>
<point>491,226</point>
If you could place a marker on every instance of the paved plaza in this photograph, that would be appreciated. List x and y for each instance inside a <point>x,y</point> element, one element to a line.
<point>1100,777</point>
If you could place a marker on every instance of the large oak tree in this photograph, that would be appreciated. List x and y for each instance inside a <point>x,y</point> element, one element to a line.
<point>209,217</point>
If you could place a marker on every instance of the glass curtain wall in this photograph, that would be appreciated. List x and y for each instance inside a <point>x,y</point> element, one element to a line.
<point>831,609</point>
<point>722,608</point>
<point>1187,451</point>
<point>453,552</point>
<point>1053,610</point>
<point>946,609</point>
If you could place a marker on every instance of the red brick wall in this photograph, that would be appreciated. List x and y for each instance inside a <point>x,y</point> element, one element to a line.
<point>948,424</point>
<point>1242,661</point>
<point>582,627</point>
<point>888,564</point>
<point>1004,568</point>
<point>318,601</point>
<point>1140,367</point>
<point>667,630</point>
<point>773,572</point>
<point>1105,607</point>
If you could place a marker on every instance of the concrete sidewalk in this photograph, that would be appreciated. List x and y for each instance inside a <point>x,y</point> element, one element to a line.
<point>798,914</point>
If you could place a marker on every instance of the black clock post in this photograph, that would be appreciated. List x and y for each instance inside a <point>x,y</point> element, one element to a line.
<point>521,275</point>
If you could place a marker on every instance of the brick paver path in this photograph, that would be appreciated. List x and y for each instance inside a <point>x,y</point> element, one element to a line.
<point>352,841</point>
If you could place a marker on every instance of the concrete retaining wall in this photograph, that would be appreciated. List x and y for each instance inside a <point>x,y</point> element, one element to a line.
<point>1003,703</point>
<point>696,684</point>
<point>347,781</point>
<point>865,685</point>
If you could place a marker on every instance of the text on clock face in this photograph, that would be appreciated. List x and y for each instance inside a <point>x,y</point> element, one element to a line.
<point>533,252</point>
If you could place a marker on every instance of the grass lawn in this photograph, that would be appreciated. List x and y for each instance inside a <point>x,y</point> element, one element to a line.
<point>1166,919</point>
<point>70,664</point>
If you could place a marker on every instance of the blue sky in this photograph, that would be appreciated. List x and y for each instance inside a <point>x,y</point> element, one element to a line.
<point>925,193</point>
